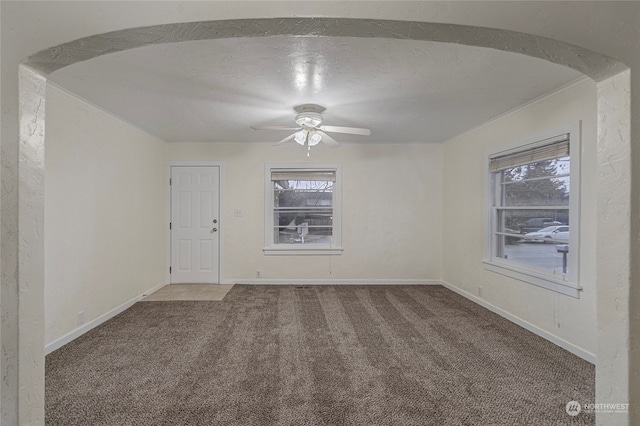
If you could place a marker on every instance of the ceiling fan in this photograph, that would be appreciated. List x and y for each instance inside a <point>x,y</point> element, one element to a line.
<point>309,129</point>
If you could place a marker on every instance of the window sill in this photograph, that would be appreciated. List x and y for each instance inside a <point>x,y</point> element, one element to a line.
<point>555,283</point>
<point>298,250</point>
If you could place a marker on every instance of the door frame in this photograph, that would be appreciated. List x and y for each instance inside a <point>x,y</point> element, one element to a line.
<point>221,196</point>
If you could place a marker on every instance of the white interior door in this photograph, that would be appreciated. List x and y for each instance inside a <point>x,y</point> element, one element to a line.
<point>195,224</point>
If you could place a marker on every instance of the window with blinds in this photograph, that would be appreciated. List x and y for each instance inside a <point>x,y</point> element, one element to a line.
<point>531,208</point>
<point>302,207</point>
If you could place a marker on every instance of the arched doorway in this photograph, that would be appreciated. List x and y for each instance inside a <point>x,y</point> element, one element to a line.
<point>613,187</point>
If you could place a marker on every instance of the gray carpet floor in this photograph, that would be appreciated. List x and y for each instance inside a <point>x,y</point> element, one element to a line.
<point>317,355</point>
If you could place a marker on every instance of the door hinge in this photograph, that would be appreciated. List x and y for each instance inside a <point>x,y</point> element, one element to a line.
<point>169,181</point>
<point>169,225</point>
<point>169,269</point>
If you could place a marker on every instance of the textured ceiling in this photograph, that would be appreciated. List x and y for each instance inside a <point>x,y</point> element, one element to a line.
<point>403,90</point>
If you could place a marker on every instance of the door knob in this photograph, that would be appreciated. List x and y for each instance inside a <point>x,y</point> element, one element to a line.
<point>214,230</point>
<point>215,220</point>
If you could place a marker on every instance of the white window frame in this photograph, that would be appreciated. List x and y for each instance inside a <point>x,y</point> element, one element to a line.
<point>335,247</point>
<point>564,283</point>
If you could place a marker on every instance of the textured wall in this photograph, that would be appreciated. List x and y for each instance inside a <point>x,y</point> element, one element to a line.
<point>105,222</point>
<point>391,197</point>
<point>613,235</point>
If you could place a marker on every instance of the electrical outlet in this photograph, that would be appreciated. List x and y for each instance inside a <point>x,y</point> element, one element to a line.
<point>258,274</point>
<point>80,318</point>
<point>480,292</point>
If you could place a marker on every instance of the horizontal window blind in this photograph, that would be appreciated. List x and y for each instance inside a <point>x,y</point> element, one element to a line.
<point>556,149</point>
<point>304,175</point>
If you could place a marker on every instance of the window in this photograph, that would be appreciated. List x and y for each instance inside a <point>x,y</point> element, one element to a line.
<point>533,219</point>
<point>302,209</point>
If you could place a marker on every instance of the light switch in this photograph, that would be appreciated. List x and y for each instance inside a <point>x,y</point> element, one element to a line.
<point>237,212</point>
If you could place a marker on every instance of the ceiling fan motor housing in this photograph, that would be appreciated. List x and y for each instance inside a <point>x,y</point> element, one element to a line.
<point>309,119</point>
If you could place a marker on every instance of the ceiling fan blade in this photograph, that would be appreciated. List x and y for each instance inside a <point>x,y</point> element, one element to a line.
<point>349,130</point>
<point>288,138</point>
<point>328,140</point>
<point>275,128</point>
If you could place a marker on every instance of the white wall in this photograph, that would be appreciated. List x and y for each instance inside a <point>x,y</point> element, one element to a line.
<point>392,196</point>
<point>573,320</point>
<point>104,213</point>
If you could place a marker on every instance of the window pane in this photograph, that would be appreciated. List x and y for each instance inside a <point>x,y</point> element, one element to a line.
<point>544,183</point>
<point>313,218</point>
<point>303,193</point>
<point>302,232</point>
<point>522,221</point>
<point>538,192</point>
<point>539,255</point>
<point>303,208</point>
<point>302,185</point>
<point>534,237</point>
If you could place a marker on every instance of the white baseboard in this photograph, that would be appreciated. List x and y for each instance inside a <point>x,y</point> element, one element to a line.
<point>338,281</point>
<point>58,343</point>
<point>574,349</point>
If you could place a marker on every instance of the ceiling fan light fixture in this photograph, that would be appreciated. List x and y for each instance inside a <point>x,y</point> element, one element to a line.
<point>314,139</point>
<point>310,131</point>
<point>300,137</point>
